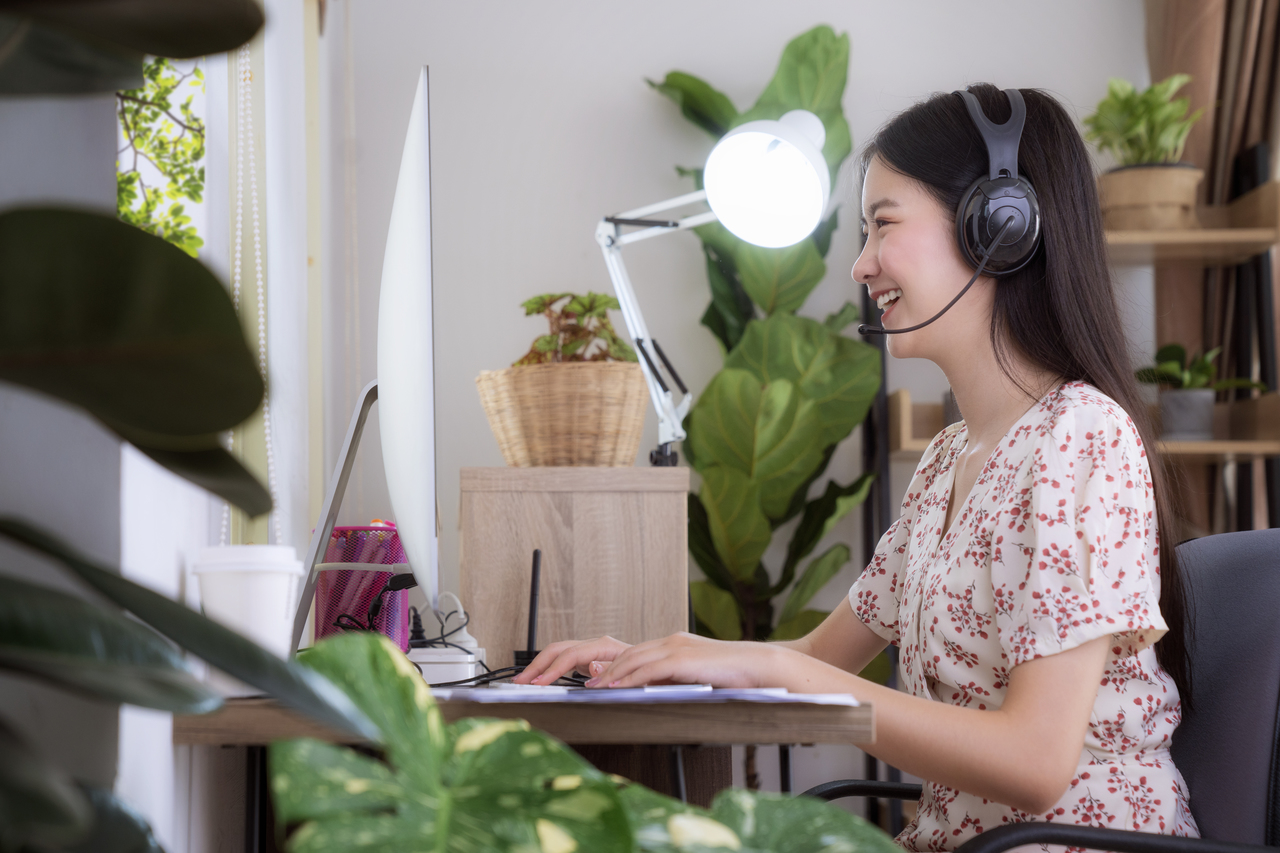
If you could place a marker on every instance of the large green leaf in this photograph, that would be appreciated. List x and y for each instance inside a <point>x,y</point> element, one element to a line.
<point>699,102</point>
<point>136,332</point>
<point>716,609</point>
<point>294,685</point>
<point>39,60</point>
<point>125,325</point>
<point>490,784</point>
<point>814,578</point>
<point>92,650</point>
<point>738,527</point>
<point>777,280</point>
<point>749,822</point>
<point>731,309</point>
<point>40,806</point>
<point>770,434</point>
<point>811,75</point>
<point>820,516</point>
<point>173,28</point>
<point>117,828</point>
<point>799,625</point>
<point>703,548</point>
<point>838,374</point>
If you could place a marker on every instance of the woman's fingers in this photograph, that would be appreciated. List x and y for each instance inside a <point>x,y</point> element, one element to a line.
<point>545,658</point>
<point>560,658</point>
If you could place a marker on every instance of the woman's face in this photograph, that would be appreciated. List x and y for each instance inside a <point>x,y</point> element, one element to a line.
<point>912,265</point>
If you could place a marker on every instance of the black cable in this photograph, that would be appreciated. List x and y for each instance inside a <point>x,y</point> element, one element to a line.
<point>499,674</point>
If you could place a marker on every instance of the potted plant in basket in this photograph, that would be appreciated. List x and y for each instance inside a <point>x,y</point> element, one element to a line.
<point>577,397</point>
<point>1146,131</point>
<point>1187,391</point>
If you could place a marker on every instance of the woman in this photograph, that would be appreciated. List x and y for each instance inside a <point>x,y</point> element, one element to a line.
<point>1026,582</point>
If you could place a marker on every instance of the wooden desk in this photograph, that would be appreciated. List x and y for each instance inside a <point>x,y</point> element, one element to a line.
<point>252,722</point>
<point>631,740</point>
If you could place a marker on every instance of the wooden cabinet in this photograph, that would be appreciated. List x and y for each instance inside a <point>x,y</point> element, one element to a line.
<point>614,545</point>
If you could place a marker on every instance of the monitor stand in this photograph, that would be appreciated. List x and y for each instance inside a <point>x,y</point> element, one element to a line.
<point>332,501</point>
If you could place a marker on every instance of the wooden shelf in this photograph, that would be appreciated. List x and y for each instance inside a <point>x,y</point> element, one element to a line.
<point>1233,233</point>
<point>1210,246</point>
<point>912,427</point>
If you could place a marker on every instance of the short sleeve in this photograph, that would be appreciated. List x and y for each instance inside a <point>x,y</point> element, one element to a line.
<point>1076,555</point>
<point>875,594</point>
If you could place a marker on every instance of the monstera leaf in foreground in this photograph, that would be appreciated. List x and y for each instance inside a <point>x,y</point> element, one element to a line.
<point>495,785</point>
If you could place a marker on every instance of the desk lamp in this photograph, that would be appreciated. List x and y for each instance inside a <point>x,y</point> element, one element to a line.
<point>767,183</point>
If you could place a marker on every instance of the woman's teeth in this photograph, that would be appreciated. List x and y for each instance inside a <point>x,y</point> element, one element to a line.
<point>885,299</point>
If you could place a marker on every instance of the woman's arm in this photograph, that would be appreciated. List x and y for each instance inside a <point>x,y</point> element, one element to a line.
<point>842,640</point>
<point>1023,754</point>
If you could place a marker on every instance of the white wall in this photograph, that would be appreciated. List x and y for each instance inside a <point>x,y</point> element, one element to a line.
<point>542,123</point>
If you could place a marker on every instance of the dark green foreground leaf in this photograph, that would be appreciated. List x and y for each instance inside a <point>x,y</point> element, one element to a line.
<point>39,60</point>
<point>119,322</point>
<point>74,644</point>
<point>39,803</point>
<point>179,29</point>
<point>136,332</point>
<point>294,685</point>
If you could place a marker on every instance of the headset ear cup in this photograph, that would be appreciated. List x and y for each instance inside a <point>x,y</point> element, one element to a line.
<point>983,211</point>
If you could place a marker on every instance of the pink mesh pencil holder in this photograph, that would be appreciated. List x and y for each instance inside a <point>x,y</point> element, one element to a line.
<point>344,596</point>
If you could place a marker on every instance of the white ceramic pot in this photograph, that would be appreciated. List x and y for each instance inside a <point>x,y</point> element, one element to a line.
<point>1186,414</point>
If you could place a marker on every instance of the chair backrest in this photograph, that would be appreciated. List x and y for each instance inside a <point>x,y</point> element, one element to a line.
<point>1228,745</point>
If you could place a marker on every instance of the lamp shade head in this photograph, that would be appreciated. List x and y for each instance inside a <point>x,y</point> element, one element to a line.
<point>767,181</point>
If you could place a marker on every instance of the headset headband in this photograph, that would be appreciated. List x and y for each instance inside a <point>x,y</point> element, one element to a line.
<point>1001,139</point>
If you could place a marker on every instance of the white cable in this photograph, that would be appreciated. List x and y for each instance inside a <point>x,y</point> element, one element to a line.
<point>245,145</point>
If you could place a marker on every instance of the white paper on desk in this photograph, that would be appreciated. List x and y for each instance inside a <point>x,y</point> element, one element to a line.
<point>643,695</point>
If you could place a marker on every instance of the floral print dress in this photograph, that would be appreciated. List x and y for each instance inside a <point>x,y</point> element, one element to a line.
<point>1055,546</point>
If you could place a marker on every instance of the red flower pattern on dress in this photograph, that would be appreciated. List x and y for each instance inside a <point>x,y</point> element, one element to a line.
<point>1055,546</point>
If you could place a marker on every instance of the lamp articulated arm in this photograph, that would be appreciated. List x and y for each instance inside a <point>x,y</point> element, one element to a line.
<point>611,239</point>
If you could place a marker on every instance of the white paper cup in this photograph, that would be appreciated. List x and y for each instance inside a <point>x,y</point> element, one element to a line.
<point>253,590</point>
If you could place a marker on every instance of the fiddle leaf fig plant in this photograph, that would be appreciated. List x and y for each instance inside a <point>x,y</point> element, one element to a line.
<point>1174,369</point>
<point>1144,127</point>
<point>764,430</point>
<point>497,785</point>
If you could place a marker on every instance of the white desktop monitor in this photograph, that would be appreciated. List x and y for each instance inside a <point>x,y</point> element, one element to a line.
<point>406,365</point>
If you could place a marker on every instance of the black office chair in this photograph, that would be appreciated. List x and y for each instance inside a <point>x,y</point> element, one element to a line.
<point>1228,745</point>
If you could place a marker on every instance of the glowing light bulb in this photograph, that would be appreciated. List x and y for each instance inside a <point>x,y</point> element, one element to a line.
<point>767,181</point>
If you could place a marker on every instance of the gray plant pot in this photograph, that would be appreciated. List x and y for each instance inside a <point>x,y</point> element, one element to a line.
<point>1186,414</point>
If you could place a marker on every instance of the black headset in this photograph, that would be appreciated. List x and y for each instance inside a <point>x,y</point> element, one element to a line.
<point>1000,194</point>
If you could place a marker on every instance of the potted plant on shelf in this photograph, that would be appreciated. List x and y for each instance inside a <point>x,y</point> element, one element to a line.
<point>1146,131</point>
<point>577,397</point>
<point>1187,392</point>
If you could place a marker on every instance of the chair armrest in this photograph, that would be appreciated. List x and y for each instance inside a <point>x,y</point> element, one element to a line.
<point>865,788</point>
<point>1093,838</point>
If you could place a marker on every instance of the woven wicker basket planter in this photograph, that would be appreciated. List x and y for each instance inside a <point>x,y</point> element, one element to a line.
<point>572,414</point>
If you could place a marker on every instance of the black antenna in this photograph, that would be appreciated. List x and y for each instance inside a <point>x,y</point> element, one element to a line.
<point>525,656</point>
<point>533,602</point>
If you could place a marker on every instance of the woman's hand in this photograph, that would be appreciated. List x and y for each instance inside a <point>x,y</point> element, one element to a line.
<point>568,655</point>
<point>689,659</point>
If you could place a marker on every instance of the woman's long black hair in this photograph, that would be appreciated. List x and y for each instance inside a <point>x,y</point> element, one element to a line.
<point>1059,312</point>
